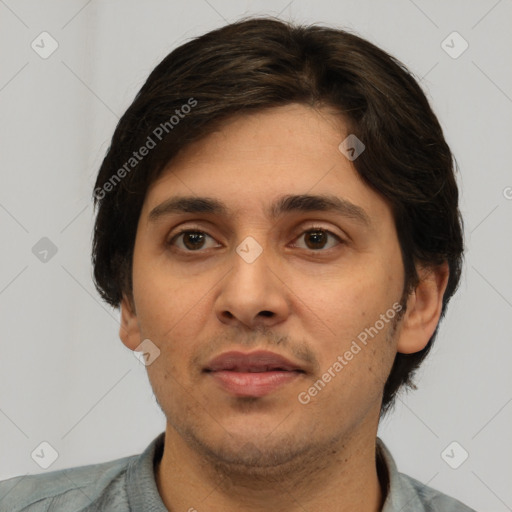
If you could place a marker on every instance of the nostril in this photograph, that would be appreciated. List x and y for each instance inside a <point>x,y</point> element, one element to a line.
<point>266,313</point>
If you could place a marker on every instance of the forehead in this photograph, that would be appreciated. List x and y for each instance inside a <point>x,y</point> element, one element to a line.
<point>251,162</point>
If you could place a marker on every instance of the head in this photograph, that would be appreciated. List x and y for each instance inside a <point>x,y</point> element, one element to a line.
<point>247,114</point>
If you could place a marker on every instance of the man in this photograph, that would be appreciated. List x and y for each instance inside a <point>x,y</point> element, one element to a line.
<point>278,222</point>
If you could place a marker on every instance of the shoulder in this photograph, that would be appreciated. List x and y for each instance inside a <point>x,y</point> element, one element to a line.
<point>406,494</point>
<point>74,488</point>
<point>430,499</point>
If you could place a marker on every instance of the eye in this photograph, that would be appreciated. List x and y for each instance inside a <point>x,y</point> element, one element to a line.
<point>192,240</point>
<point>317,238</point>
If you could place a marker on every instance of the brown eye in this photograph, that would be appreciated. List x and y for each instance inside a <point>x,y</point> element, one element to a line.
<point>191,240</point>
<point>318,238</point>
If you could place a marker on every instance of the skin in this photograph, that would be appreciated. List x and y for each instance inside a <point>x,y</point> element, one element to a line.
<point>272,453</point>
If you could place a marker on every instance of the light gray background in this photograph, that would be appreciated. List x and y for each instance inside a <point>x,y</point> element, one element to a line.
<point>65,377</point>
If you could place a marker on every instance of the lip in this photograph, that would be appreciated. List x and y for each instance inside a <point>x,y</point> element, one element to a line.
<point>258,361</point>
<point>252,374</point>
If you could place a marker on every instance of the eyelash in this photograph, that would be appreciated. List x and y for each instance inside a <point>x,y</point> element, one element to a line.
<point>200,231</point>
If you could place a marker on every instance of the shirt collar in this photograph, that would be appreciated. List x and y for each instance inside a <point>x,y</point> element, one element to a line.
<point>141,485</point>
<point>401,495</point>
<point>143,492</point>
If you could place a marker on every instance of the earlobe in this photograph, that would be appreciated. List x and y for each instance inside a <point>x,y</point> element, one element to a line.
<point>129,327</point>
<point>423,311</point>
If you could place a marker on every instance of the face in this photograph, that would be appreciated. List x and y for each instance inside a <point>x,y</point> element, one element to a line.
<point>302,281</point>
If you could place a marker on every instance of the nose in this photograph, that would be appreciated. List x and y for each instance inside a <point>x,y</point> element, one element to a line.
<point>252,294</point>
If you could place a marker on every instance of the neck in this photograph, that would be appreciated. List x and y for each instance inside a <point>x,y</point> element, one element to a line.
<point>340,478</point>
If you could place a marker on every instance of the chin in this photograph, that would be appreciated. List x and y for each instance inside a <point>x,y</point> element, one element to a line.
<point>251,448</point>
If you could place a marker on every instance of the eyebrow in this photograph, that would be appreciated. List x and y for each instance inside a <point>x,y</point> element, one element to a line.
<point>284,204</point>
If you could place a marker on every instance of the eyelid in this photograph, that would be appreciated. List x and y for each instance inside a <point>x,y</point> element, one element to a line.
<point>299,232</point>
<point>341,240</point>
<point>187,229</point>
<point>327,229</point>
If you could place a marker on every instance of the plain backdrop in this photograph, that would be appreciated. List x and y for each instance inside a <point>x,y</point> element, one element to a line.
<point>65,377</point>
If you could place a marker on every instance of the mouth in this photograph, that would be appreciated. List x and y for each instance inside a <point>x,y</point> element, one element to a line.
<point>253,374</point>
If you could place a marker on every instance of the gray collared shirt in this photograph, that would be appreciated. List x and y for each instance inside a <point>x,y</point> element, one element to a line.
<point>128,485</point>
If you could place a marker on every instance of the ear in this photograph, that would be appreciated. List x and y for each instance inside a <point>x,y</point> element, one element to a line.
<point>423,309</point>
<point>129,328</point>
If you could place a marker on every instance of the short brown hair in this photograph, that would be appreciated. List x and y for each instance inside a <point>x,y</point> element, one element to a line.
<point>260,63</point>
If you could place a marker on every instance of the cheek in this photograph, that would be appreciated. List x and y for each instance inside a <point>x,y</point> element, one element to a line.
<point>352,315</point>
<point>172,312</point>
<point>164,303</point>
<point>352,377</point>
<point>347,302</point>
